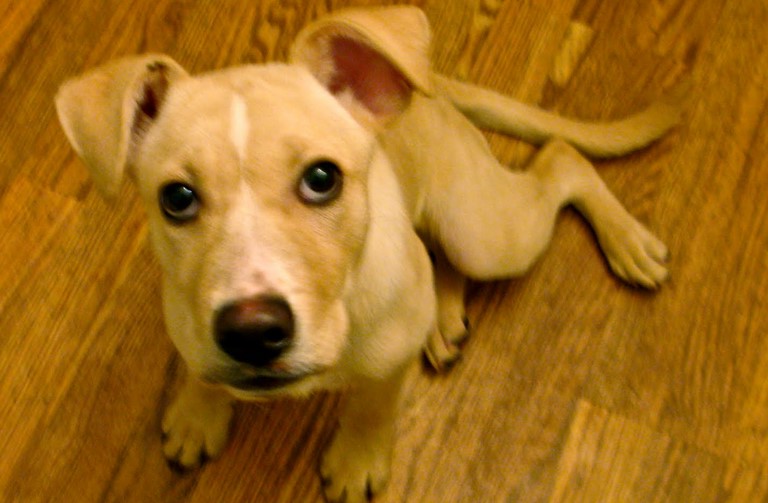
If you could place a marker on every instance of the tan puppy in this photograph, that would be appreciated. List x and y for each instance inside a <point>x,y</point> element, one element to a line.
<point>290,205</point>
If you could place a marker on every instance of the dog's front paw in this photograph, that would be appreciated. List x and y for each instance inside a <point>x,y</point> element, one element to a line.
<point>355,466</point>
<point>196,425</point>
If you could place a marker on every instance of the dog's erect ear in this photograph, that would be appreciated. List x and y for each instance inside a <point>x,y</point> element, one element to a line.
<point>371,58</point>
<point>107,111</point>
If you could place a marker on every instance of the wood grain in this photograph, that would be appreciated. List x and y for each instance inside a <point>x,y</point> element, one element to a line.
<point>573,387</point>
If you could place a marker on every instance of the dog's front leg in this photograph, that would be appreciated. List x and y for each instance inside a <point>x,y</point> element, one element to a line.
<point>196,424</point>
<point>356,464</point>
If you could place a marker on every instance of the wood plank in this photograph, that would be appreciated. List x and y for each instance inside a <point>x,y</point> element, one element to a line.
<point>609,458</point>
<point>479,446</point>
<point>30,217</point>
<point>674,29</point>
<point>16,19</point>
<point>106,400</point>
<point>52,310</point>
<point>56,46</point>
<point>701,358</point>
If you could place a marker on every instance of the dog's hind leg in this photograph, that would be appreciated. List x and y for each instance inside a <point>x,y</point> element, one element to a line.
<point>496,223</point>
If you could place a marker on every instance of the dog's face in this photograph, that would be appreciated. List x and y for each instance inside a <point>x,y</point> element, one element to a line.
<point>255,185</point>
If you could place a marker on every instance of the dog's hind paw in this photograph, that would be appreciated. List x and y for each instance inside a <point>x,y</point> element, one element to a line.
<point>196,426</point>
<point>443,347</point>
<point>440,353</point>
<point>635,254</point>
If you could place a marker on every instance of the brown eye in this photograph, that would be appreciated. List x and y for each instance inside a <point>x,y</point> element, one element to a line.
<point>320,183</point>
<point>179,202</point>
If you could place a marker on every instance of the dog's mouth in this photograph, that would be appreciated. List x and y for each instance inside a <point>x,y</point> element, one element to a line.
<point>253,383</point>
<point>267,381</point>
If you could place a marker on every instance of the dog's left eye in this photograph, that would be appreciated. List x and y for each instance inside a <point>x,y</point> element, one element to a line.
<point>320,183</point>
<point>179,202</point>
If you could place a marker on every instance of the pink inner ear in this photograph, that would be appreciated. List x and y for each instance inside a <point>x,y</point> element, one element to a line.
<point>374,82</point>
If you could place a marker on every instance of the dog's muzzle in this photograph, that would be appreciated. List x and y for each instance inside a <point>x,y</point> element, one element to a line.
<point>255,331</point>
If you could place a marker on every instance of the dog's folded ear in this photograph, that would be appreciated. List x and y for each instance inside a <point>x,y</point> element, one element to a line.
<point>371,59</point>
<point>106,112</point>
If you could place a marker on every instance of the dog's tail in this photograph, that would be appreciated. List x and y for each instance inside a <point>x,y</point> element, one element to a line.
<point>496,112</point>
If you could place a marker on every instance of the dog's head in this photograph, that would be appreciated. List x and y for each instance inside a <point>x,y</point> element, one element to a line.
<point>256,185</point>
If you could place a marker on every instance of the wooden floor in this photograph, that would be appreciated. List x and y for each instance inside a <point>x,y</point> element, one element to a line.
<point>574,387</point>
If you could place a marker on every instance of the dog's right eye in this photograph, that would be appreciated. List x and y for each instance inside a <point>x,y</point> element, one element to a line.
<point>320,183</point>
<point>179,202</point>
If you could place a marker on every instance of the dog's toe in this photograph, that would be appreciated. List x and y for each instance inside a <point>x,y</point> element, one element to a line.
<point>453,324</point>
<point>461,336</point>
<point>656,249</point>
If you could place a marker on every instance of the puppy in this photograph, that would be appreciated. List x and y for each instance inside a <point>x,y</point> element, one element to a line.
<point>292,207</point>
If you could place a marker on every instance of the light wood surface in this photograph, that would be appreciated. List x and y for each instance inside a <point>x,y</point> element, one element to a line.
<point>573,387</point>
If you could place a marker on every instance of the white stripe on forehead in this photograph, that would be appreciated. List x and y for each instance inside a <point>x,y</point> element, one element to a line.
<point>239,126</point>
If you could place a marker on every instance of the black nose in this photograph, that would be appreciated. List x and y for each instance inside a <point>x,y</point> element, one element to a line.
<point>255,331</point>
